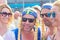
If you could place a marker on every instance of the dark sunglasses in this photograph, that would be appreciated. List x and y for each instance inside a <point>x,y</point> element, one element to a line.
<point>42,15</point>
<point>30,20</point>
<point>53,14</point>
<point>5,14</point>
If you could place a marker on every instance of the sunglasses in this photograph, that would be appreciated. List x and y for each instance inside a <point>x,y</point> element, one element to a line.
<point>30,20</point>
<point>6,14</point>
<point>53,14</point>
<point>42,15</point>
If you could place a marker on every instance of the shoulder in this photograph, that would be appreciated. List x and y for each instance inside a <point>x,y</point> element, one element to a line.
<point>15,31</point>
<point>10,32</point>
<point>9,35</point>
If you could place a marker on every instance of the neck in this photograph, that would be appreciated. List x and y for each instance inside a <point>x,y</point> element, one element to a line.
<point>3,28</point>
<point>58,28</point>
<point>58,31</point>
<point>27,32</point>
<point>3,25</point>
<point>51,30</point>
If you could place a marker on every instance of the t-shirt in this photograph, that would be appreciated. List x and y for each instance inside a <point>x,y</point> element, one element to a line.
<point>38,35</point>
<point>9,35</point>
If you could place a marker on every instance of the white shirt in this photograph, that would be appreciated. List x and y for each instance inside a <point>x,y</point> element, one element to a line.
<point>1,38</point>
<point>9,35</point>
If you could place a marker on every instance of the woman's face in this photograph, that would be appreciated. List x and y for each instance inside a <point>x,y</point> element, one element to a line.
<point>28,22</point>
<point>57,12</point>
<point>5,15</point>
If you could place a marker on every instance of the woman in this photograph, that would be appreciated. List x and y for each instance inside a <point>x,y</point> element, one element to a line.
<point>5,21</point>
<point>28,29</point>
<point>56,9</point>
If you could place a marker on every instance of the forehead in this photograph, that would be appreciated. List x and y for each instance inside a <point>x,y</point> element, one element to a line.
<point>45,10</point>
<point>55,8</point>
<point>28,16</point>
<point>5,10</point>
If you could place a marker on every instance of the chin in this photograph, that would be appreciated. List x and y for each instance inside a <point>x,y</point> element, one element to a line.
<point>27,30</point>
<point>6,22</point>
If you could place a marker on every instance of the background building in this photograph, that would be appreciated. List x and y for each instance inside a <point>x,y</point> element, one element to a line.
<point>21,4</point>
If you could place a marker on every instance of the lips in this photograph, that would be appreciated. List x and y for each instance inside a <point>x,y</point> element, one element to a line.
<point>26,26</point>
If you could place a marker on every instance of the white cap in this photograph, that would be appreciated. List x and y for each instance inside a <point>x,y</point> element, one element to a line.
<point>37,6</point>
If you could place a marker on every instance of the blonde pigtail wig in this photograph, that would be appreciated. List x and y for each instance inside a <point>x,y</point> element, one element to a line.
<point>35,32</point>
<point>43,30</point>
<point>19,28</point>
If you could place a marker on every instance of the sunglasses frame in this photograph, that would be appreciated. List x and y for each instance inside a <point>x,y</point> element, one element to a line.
<point>42,15</point>
<point>53,14</point>
<point>5,14</point>
<point>30,20</point>
<point>48,14</point>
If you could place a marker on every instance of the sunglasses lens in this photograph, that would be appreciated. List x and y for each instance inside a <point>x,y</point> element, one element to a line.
<point>31,20</point>
<point>9,14</point>
<point>24,19</point>
<point>5,14</point>
<point>53,14</point>
<point>42,15</point>
<point>48,14</point>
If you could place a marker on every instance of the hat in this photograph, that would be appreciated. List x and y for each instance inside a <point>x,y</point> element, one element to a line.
<point>47,6</point>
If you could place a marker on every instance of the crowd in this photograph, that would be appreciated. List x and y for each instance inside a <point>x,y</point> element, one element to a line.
<point>33,23</point>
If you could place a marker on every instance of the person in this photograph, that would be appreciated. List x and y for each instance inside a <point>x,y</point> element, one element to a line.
<point>3,2</point>
<point>28,28</point>
<point>5,21</point>
<point>38,9</point>
<point>17,14</point>
<point>14,24</point>
<point>56,9</point>
<point>17,17</point>
<point>47,21</point>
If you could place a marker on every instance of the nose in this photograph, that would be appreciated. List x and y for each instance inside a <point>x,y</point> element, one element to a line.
<point>7,16</point>
<point>44,16</point>
<point>27,22</point>
<point>51,16</point>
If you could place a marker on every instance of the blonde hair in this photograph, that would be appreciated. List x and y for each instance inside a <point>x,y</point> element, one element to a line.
<point>57,3</point>
<point>6,6</point>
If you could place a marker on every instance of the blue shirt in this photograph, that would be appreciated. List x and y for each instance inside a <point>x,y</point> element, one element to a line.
<point>16,34</point>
